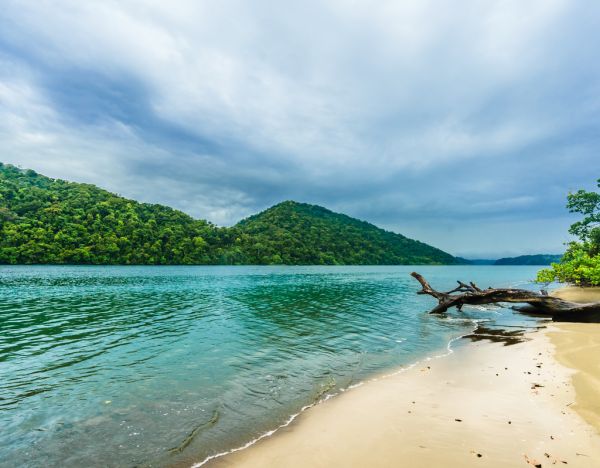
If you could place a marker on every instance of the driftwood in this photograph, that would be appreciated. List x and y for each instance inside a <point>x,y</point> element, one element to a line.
<point>539,302</point>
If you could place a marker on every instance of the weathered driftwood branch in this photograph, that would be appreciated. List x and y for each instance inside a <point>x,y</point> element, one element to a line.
<point>470,294</point>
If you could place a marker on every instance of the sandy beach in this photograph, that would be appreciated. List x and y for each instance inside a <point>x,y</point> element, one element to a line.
<point>533,403</point>
<point>578,347</point>
<point>578,294</point>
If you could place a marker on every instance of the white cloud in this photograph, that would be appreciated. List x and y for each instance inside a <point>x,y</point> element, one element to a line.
<point>343,103</point>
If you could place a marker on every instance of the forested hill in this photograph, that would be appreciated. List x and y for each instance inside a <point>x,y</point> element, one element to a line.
<point>47,220</point>
<point>44,220</point>
<point>299,233</point>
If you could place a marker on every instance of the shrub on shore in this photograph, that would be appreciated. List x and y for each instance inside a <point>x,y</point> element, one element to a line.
<point>577,266</point>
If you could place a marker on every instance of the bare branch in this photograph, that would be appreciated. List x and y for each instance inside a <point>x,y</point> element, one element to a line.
<point>471,294</point>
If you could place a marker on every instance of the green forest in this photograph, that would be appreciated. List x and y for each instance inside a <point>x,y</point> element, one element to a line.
<point>52,221</point>
<point>581,262</point>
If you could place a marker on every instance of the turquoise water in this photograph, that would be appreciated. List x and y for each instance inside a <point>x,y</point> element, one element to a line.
<point>156,366</point>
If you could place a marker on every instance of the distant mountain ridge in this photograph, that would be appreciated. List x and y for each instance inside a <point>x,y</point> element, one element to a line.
<point>52,221</point>
<point>540,259</point>
<point>481,261</point>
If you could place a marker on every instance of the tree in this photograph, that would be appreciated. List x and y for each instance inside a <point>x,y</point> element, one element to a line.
<point>588,204</point>
<point>581,262</point>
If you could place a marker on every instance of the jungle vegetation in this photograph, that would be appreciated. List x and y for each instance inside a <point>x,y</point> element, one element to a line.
<point>52,221</point>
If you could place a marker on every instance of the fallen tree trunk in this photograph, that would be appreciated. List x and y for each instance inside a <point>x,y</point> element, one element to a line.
<point>541,303</point>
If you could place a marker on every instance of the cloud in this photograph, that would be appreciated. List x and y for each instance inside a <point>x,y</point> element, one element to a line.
<point>406,114</point>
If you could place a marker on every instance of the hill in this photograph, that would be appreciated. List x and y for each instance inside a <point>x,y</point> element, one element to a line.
<point>43,220</point>
<point>541,259</point>
<point>299,233</point>
<point>51,221</point>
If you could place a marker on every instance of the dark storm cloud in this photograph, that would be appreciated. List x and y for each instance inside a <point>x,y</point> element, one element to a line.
<point>463,127</point>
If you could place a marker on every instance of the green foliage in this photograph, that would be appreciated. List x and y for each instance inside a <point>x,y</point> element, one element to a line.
<point>588,204</point>
<point>50,221</point>
<point>577,266</point>
<point>581,263</point>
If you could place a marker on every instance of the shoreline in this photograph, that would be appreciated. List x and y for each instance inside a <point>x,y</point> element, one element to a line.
<point>577,346</point>
<point>213,460</point>
<point>484,402</point>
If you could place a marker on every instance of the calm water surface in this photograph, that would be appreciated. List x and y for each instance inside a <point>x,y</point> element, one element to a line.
<point>154,366</point>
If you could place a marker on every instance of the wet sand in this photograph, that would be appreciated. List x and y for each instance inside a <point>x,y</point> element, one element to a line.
<point>578,347</point>
<point>486,404</point>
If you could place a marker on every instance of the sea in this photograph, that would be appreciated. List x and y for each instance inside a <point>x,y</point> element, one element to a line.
<point>156,366</point>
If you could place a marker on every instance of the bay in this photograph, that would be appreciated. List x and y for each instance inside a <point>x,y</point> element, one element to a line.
<point>158,366</point>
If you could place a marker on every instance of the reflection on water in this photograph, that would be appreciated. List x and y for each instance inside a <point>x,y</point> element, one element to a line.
<point>122,366</point>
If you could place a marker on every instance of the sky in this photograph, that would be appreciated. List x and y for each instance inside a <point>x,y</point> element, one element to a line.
<point>462,124</point>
